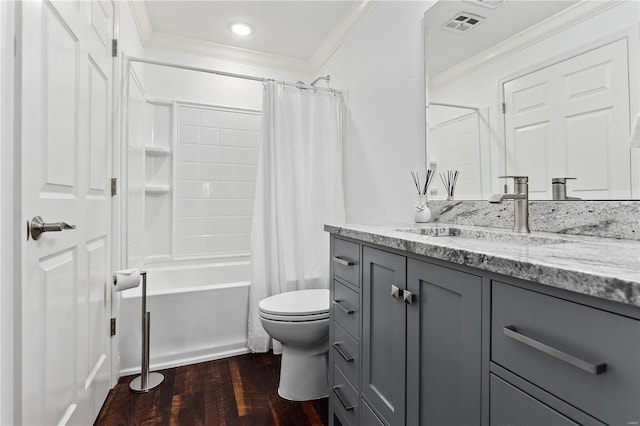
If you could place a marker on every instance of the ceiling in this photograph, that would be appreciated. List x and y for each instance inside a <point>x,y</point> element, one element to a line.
<point>446,48</point>
<point>296,35</point>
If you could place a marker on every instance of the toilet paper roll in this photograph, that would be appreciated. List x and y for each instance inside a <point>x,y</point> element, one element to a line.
<point>126,279</point>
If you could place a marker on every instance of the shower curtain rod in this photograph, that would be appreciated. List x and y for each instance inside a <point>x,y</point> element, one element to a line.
<point>231,74</point>
<point>452,106</point>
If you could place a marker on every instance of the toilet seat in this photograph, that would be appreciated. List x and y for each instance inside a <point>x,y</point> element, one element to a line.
<point>296,306</point>
<point>294,318</point>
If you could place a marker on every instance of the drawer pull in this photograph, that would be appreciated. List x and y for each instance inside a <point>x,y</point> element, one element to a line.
<point>342,261</point>
<point>347,310</point>
<point>336,391</point>
<point>512,332</point>
<point>342,353</point>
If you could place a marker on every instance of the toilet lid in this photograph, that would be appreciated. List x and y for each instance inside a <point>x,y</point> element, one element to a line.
<point>296,303</point>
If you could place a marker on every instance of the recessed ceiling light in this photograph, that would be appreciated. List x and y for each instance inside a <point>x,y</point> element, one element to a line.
<point>241,29</point>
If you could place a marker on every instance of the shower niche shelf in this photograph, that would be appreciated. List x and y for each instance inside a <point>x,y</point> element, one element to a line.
<point>157,150</point>
<point>157,189</point>
<point>158,153</point>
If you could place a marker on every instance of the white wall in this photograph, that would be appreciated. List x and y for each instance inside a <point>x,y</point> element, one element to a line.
<point>198,87</point>
<point>481,88</point>
<point>192,60</point>
<point>381,67</point>
<point>128,37</point>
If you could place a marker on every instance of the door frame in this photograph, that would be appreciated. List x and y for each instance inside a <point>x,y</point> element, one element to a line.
<point>632,36</point>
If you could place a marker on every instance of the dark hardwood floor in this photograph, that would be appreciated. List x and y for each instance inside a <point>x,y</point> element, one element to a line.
<point>241,390</point>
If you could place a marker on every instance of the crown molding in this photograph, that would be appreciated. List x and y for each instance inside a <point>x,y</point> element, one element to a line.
<point>225,52</point>
<point>141,19</point>
<point>341,31</point>
<point>558,22</point>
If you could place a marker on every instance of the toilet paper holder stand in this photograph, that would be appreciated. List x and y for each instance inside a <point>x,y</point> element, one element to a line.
<point>146,380</point>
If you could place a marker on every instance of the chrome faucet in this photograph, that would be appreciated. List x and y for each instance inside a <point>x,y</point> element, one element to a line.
<point>559,188</point>
<point>520,202</point>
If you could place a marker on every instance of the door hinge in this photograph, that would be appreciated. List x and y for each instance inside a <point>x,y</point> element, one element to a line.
<point>114,186</point>
<point>113,327</point>
<point>114,47</point>
<point>504,108</point>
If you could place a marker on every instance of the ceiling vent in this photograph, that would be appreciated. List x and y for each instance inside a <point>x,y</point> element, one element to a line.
<point>486,3</point>
<point>463,22</point>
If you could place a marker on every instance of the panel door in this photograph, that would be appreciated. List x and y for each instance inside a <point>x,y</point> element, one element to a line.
<point>383,333</point>
<point>571,119</point>
<point>457,143</point>
<point>444,329</point>
<point>66,152</point>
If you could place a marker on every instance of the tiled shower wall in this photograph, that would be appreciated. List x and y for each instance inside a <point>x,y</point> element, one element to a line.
<point>217,162</point>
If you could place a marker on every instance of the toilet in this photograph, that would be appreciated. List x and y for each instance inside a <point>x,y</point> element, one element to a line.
<point>299,320</point>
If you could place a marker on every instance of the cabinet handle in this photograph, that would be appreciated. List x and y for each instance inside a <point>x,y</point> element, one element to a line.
<point>342,261</point>
<point>395,291</point>
<point>408,297</point>
<point>342,353</point>
<point>512,332</point>
<point>336,391</point>
<point>347,310</point>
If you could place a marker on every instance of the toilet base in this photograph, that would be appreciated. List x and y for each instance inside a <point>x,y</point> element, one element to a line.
<point>303,372</point>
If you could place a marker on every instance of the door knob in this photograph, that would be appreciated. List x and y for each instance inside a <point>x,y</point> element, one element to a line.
<point>38,226</point>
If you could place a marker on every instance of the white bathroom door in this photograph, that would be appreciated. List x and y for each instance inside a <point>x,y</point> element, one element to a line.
<point>66,159</point>
<point>571,119</point>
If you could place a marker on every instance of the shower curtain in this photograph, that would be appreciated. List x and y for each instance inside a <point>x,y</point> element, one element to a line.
<point>298,189</point>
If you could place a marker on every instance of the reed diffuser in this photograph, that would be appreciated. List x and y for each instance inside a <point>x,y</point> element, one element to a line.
<point>422,213</point>
<point>449,180</point>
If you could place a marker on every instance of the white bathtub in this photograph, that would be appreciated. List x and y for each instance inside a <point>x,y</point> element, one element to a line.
<point>198,313</point>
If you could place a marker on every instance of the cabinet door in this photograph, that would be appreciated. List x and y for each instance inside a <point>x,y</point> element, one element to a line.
<point>444,330</point>
<point>383,333</point>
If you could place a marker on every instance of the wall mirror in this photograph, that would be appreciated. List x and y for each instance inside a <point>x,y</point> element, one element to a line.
<point>545,89</point>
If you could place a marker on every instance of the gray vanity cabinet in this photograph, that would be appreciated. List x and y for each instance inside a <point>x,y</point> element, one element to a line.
<point>418,341</point>
<point>422,341</point>
<point>384,325</point>
<point>444,346</point>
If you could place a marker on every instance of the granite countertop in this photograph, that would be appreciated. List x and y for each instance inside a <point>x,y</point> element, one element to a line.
<point>606,268</point>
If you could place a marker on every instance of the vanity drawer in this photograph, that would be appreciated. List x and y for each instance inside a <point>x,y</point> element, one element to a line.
<point>346,308</point>
<point>552,343</point>
<point>345,398</point>
<point>345,354</point>
<point>369,418</point>
<point>346,260</point>
<point>511,406</point>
